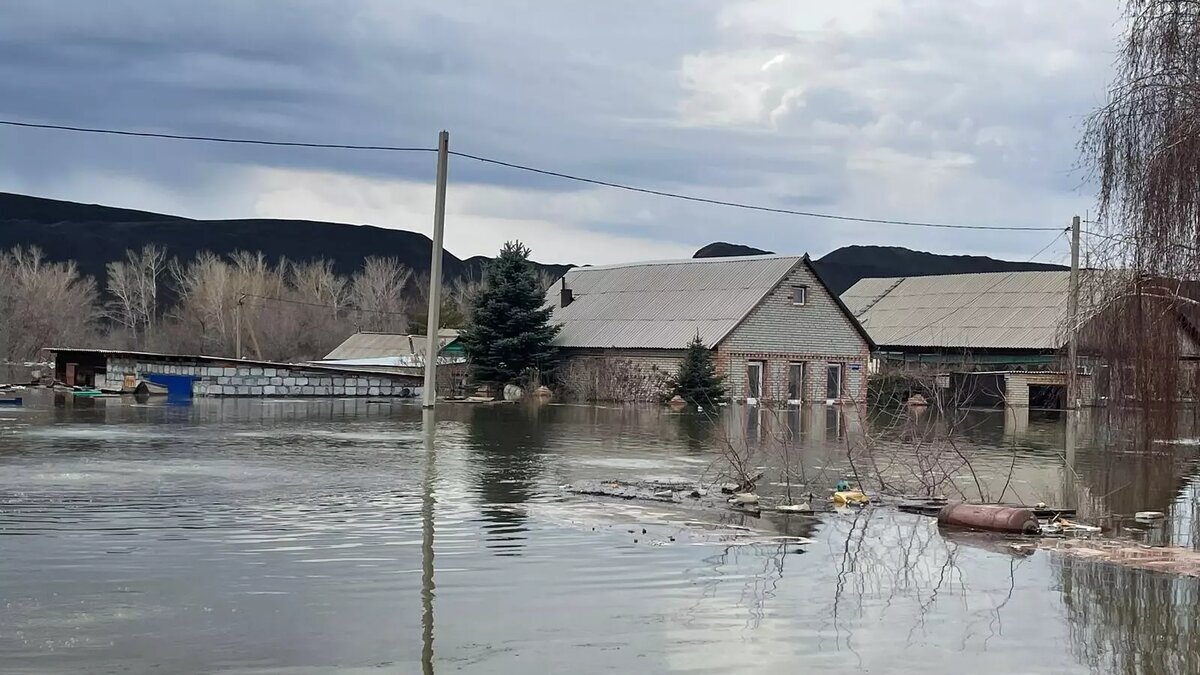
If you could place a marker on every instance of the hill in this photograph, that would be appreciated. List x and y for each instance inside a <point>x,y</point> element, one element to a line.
<point>93,235</point>
<point>721,249</point>
<point>842,268</point>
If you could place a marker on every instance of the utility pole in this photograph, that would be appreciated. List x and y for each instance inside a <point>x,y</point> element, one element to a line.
<point>433,318</point>
<point>237,327</point>
<point>1073,321</point>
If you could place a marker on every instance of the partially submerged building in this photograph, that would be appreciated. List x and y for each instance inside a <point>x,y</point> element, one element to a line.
<point>990,320</point>
<point>394,350</point>
<point>194,375</point>
<point>778,334</point>
<point>993,338</point>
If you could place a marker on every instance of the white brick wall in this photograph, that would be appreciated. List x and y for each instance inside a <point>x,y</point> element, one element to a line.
<point>780,332</point>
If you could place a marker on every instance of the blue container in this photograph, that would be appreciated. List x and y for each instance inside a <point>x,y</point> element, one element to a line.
<point>178,386</point>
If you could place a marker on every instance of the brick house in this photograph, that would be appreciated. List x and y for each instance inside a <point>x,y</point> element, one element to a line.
<point>779,334</point>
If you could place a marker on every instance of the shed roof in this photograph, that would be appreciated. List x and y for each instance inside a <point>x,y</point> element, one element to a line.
<point>663,305</point>
<point>989,310</point>
<point>386,345</point>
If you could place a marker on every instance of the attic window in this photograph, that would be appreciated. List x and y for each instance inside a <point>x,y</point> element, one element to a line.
<point>799,295</point>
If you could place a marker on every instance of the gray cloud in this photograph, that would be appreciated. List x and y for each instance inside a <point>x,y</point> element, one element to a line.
<point>916,110</point>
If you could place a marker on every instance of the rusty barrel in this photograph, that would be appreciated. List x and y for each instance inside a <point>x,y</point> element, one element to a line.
<point>1012,519</point>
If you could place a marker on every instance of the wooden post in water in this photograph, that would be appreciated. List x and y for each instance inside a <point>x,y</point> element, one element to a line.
<point>433,318</point>
<point>1073,321</point>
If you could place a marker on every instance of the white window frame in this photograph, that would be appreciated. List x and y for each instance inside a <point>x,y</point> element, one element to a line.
<point>762,371</point>
<point>841,380</point>
<point>803,290</point>
<point>800,388</point>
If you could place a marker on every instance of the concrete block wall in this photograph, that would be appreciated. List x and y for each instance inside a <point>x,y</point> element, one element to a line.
<point>259,380</point>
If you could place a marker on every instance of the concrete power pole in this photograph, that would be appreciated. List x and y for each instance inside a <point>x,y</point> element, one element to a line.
<point>1073,321</point>
<point>433,318</point>
<point>237,327</point>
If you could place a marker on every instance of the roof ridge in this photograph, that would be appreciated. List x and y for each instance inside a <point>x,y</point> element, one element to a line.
<point>690,261</point>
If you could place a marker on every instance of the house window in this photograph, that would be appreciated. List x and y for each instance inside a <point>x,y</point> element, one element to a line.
<point>799,295</point>
<point>795,382</point>
<point>833,381</point>
<point>754,380</point>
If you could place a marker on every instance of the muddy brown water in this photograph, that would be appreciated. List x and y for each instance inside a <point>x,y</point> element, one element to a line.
<point>321,537</point>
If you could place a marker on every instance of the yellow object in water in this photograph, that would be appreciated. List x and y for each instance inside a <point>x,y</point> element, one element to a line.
<point>850,498</point>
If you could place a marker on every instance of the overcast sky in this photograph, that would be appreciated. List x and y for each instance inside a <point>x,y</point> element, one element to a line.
<point>963,111</point>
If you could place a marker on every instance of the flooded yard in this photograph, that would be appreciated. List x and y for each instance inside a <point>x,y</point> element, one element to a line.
<point>258,536</point>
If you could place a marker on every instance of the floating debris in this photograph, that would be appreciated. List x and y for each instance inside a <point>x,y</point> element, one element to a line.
<point>1170,559</point>
<point>1011,519</point>
<point>850,498</point>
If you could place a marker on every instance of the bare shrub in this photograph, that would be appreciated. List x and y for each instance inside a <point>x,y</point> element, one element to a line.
<point>612,379</point>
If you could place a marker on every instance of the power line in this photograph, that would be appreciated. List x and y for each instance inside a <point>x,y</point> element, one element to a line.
<point>1131,240</point>
<point>982,293</point>
<point>740,205</point>
<point>212,139</point>
<point>320,306</point>
<point>532,169</point>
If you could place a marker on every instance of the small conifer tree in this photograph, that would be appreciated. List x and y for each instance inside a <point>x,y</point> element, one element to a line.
<point>697,381</point>
<point>510,333</point>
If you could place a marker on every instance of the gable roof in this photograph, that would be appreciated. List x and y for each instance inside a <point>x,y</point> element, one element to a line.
<point>988,310</point>
<point>386,345</point>
<point>664,304</point>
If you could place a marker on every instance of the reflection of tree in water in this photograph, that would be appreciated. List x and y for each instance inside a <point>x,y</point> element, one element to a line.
<point>507,445</point>
<point>1131,622</point>
<point>696,428</point>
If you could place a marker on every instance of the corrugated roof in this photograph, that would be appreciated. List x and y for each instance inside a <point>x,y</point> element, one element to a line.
<point>990,310</point>
<point>384,345</point>
<point>663,305</point>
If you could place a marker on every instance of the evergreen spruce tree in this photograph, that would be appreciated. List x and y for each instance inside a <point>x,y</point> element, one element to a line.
<point>697,381</point>
<point>510,332</point>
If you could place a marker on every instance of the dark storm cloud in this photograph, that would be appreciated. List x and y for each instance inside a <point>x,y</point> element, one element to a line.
<point>744,99</point>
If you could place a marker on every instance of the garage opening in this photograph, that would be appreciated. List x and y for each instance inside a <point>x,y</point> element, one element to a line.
<point>1047,396</point>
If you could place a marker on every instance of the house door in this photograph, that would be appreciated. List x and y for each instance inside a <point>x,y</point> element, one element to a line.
<point>834,378</point>
<point>754,381</point>
<point>795,383</point>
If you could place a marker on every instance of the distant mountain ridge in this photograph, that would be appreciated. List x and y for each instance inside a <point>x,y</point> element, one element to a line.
<point>844,267</point>
<point>93,235</point>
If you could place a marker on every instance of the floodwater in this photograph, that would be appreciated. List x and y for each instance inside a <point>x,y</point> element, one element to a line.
<point>326,537</point>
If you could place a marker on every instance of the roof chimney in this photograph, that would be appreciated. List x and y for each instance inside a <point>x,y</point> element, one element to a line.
<point>565,296</point>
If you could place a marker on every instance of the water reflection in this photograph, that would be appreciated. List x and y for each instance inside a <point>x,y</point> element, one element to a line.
<point>1131,622</point>
<point>428,502</point>
<point>696,428</point>
<point>261,536</point>
<point>507,446</point>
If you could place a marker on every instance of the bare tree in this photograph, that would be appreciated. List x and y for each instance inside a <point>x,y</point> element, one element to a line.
<point>377,292</point>
<point>317,299</point>
<point>1144,148</point>
<point>133,286</point>
<point>44,304</point>
<point>201,318</point>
